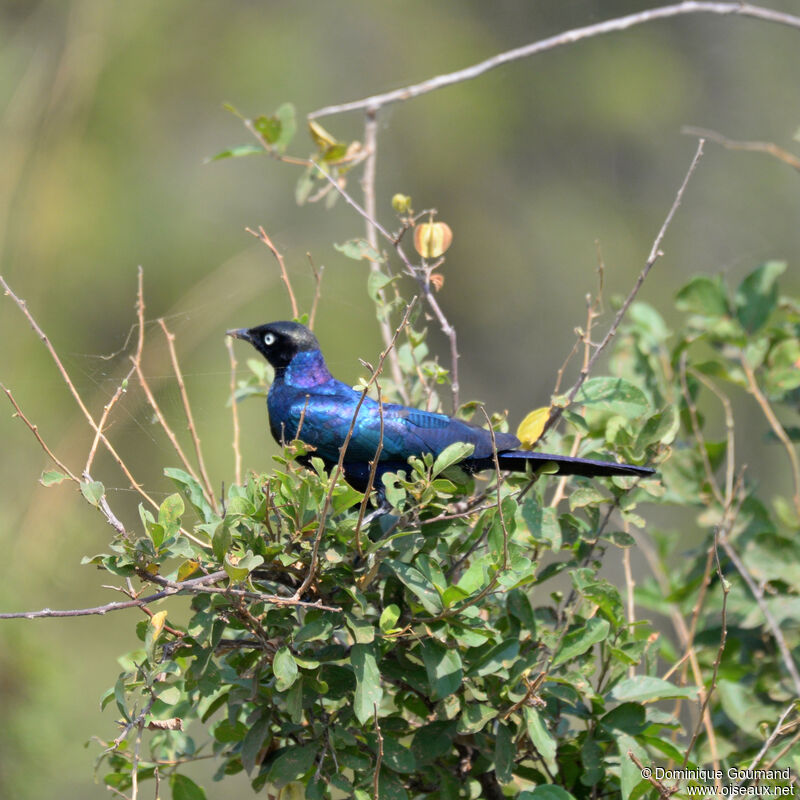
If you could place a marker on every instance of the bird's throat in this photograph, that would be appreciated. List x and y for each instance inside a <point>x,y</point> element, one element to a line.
<point>305,370</point>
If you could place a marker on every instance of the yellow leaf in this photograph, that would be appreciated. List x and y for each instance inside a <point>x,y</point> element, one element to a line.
<point>157,623</point>
<point>530,429</point>
<point>323,139</point>
<point>187,568</point>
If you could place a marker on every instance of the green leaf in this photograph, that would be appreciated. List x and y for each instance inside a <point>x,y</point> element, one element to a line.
<point>93,491</point>
<point>443,665</point>
<point>359,249</point>
<point>641,688</point>
<point>192,490</point>
<point>292,764</point>
<point>615,395</point>
<point>504,753</point>
<point>757,295</point>
<point>51,477</point>
<point>540,737</point>
<point>542,521</point>
<point>268,127</point>
<point>704,296</point>
<point>237,152</point>
<point>171,510</point>
<point>368,681</point>
<point>627,717</point>
<point>740,704</point>
<point>184,788</point>
<point>389,617</point>
<point>418,584</point>
<point>376,282</point>
<point>239,569</point>
<point>284,668</point>
<point>288,119</point>
<point>452,454</point>
<point>474,717</point>
<point>579,641</point>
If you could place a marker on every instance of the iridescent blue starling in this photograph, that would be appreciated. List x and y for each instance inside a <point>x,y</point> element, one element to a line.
<point>304,388</point>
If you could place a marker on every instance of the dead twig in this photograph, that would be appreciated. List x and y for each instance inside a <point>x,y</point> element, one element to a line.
<point>207,490</point>
<point>655,254</point>
<point>261,235</point>
<point>237,453</point>
<point>756,147</point>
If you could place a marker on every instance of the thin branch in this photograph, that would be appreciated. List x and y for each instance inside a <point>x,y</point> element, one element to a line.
<point>422,278</point>
<point>566,38</point>
<point>776,732</point>
<point>237,453</point>
<point>777,428</point>
<point>368,187</point>
<point>655,253</point>
<point>317,290</point>
<point>124,383</point>
<point>261,235</point>
<point>34,429</point>
<point>312,568</point>
<point>137,363</point>
<point>663,791</point>
<point>718,660</point>
<point>207,490</point>
<point>758,594</point>
<point>192,586</point>
<point>759,147</point>
<point>74,392</point>
<point>697,431</point>
<point>373,469</point>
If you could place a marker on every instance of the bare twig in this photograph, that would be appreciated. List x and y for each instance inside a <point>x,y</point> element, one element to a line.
<point>192,586</point>
<point>566,38</point>
<point>499,479</point>
<point>75,394</point>
<point>776,732</point>
<point>372,472</point>
<point>697,431</point>
<point>237,453</point>
<point>312,568</point>
<point>655,253</point>
<point>261,235</point>
<point>777,428</point>
<point>137,363</point>
<point>34,429</point>
<point>417,273</point>
<point>317,290</point>
<point>772,623</point>
<point>124,383</point>
<point>207,490</point>
<point>368,187</point>
<point>718,660</point>
<point>663,791</point>
<point>759,147</point>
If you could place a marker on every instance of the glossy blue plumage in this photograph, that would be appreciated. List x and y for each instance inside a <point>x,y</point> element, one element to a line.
<point>305,401</point>
<point>305,389</point>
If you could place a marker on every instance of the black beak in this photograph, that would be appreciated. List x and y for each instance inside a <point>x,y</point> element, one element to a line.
<point>239,333</point>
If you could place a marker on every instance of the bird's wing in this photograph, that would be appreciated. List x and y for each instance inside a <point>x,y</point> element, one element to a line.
<point>327,417</point>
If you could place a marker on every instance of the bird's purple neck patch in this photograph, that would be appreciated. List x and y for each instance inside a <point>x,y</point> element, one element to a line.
<point>307,369</point>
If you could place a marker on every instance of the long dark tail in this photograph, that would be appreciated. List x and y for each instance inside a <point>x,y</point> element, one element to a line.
<point>518,460</point>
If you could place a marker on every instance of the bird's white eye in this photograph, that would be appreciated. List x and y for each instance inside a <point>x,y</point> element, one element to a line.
<point>269,339</point>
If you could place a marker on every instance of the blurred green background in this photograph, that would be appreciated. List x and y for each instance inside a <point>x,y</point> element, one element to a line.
<point>107,113</point>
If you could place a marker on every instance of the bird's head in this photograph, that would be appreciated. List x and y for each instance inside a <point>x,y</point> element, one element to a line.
<point>278,342</point>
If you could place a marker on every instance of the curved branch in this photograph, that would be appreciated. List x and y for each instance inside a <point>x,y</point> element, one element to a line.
<point>377,101</point>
